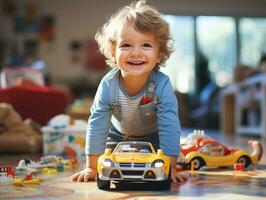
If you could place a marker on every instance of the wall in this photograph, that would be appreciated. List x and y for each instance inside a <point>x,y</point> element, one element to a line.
<point>80,19</point>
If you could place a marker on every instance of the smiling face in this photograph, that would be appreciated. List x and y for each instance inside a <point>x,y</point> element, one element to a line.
<point>136,53</point>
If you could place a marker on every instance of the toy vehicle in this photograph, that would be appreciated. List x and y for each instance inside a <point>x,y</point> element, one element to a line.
<point>50,161</point>
<point>135,162</point>
<point>20,182</point>
<point>6,174</point>
<point>205,151</point>
<point>26,164</point>
<point>30,176</point>
<point>7,171</point>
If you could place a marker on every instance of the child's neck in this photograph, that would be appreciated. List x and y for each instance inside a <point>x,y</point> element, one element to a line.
<point>133,85</point>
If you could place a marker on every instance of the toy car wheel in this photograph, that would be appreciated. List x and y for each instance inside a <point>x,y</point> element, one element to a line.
<point>245,160</point>
<point>102,184</point>
<point>164,185</point>
<point>198,163</point>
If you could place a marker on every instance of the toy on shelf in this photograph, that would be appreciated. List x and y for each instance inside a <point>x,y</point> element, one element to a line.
<point>202,150</point>
<point>6,175</point>
<point>135,162</point>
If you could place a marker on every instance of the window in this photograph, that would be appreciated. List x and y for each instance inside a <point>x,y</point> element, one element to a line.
<point>253,40</point>
<point>180,65</point>
<point>217,41</point>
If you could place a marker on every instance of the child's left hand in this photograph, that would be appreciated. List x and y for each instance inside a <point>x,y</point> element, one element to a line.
<point>178,176</point>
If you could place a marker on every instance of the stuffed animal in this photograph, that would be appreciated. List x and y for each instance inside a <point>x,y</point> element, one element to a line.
<point>16,135</point>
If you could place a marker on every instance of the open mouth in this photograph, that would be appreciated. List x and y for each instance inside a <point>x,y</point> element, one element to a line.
<point>136,63</point>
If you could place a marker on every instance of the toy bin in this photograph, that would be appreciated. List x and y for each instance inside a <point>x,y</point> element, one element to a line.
<point>66,142</point>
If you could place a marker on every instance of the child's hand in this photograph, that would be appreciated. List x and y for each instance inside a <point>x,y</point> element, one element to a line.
<point>178,176</point>
<point>88,174</point>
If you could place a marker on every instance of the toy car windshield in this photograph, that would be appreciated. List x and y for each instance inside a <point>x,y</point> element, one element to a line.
<point>140,147</point>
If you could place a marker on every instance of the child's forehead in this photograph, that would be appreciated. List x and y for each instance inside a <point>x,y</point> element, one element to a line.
<point>128,31</point>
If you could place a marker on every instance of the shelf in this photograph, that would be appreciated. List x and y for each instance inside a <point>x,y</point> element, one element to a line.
<point>250,130</point>
<point>244,107</point>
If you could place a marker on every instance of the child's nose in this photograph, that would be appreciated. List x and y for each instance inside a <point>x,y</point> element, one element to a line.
<point>136,53</point>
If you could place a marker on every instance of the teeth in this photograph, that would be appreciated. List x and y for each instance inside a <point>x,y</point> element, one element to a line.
<point>136,62</point>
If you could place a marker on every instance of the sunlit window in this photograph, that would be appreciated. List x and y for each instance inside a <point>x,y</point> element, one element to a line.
<point>253,40</point>
<point>180,66</point>
<point>216,37</point>
<point>217,41</point>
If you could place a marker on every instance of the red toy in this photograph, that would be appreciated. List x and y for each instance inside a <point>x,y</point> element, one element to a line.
<point>30,176</point>
<point>7,171</point>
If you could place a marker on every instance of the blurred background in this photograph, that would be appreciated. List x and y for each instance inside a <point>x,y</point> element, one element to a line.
<point>49,45</point>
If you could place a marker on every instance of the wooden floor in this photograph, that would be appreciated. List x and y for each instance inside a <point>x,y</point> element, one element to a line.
<point>208,183</point>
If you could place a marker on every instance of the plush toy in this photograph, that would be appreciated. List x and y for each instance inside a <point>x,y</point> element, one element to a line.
<point>16,135</point>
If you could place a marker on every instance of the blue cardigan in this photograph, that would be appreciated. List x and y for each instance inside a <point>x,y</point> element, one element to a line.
<point>168,125</point>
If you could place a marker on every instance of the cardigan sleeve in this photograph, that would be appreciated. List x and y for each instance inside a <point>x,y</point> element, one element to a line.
<point>168,120</point>
<point>99,121</point>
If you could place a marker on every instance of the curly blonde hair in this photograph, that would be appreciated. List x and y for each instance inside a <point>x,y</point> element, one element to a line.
<point>144,18</point>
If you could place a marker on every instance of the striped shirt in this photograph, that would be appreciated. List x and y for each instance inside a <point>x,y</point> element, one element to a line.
<point>129,113</point>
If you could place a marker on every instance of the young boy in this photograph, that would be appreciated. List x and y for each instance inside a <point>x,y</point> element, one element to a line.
<point>134,101</point>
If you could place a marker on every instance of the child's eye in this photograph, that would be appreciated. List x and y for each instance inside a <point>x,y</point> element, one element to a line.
<point>147,45</point>
<point>125,45</point>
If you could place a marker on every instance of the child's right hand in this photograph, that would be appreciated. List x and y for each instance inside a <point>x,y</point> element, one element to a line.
<point>87,174</point>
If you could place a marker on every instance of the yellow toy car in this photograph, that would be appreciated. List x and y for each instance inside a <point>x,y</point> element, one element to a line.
<point>136,162</point>
<point>201,150</point>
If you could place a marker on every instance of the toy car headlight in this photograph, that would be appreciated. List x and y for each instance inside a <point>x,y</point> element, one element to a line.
<point>157,163</point>
<point>108,163</point>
